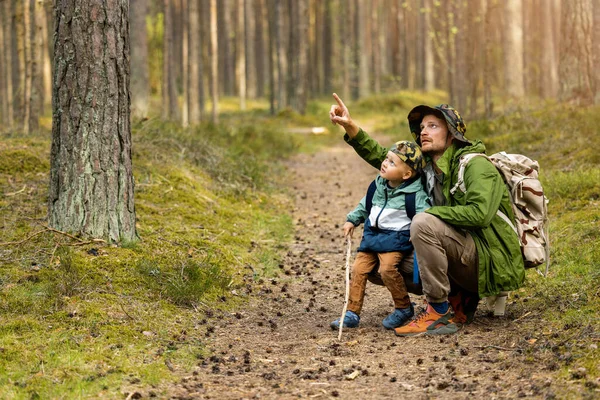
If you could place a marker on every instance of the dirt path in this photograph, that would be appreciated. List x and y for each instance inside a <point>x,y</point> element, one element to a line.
<point>281,345</point>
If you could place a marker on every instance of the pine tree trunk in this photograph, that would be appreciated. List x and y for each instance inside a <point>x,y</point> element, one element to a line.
<point>549,66</point>
<point>402,58</point>
<point>91,177</point>
<point>224,29</point>
<point>169,95</point>
<point>272,48</point>
<point>195,62</point>
<point>185,114</point>
<point>140,75</point>
<point>214,62</point>
<point>327,48</point>
<point>487,57</point>
<point>375,46</point>
<point>250,56</point>
<point>596,48</point>
<point>428,65</point>
<point>36,94</point>
<point>361,51</point>
<point>513,53</point>
<point>27,65</point>
<point>7,59</point>
<point>46,61</point>
<point>292,53</point>
<point>241,53</point>
<point>346,41</point>
<point>302,77</point>
<point>281,60</point>
<point>259,48</point>
<point>3,88</point>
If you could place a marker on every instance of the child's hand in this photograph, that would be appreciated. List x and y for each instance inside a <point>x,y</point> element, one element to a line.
<point>348,229</point>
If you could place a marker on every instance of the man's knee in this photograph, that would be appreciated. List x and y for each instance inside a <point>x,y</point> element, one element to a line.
<point>424,223</point>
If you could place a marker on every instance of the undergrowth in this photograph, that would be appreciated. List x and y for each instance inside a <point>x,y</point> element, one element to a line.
<point>81,318</point>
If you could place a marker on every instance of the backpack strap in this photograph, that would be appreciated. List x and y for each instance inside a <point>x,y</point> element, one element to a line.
<point>369,198</point>
<point>462,164</point>
<point>410,202</point>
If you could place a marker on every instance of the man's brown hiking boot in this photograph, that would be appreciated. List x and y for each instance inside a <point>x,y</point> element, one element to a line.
<point>464,304</point>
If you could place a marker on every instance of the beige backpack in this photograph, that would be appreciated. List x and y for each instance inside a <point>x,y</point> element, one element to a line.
<point>529,204</point>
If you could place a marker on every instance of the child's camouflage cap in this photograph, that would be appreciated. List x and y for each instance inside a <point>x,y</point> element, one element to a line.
<point>455,123</point>
<point>410,153</point>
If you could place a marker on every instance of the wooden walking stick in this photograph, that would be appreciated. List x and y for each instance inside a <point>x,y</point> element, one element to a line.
<point>348,250</point>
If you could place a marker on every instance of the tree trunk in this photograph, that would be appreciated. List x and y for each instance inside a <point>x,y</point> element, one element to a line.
<point>487,57</point>
<point>272,48</point>
<point>346,41</point>
<point>9,59</point>
<point>549,66</point>
<point>169,95</point>
<point>428,65</point>
<point>195,62</point>
<point>36,91</point>
<point>3,89</point>
<point>250,56</point>
<point>375,46</point>
<point>281,60</point>
<point>513,50</point>
<point>214,62</point>
<point>327,48</point>
<point>259,48</point>
<point>361,53</point>
<point>224,30</point>
<point>185,64</point>
<point>302,38</point>
<point>402,58</point>
<point>140,75</point>
<point>46,61</point>
<point>241,53</point>
<point>596,48</point>
<point>292,54</point>
<point>91,177</point>
<point>27,65</point>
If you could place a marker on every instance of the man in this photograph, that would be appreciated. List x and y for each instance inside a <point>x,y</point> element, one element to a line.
<point>465,250</point>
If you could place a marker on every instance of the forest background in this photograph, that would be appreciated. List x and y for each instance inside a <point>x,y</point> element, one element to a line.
<point>216,89</point>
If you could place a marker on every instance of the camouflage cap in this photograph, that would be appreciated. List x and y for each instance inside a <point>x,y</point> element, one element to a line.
<point>455,123</point>
<point>410,153</point>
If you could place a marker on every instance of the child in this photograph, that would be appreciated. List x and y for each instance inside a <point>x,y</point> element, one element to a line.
<point>386,211</point>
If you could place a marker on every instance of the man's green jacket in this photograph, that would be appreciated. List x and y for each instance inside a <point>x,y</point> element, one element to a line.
<point>501,265</point>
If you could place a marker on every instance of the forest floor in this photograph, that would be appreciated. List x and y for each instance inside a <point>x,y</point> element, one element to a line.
<point>281,346</point>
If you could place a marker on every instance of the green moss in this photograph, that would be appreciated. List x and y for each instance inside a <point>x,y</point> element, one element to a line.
<point>13,161</point>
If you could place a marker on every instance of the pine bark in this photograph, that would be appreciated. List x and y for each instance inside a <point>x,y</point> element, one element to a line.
<point>46,61</point>
<point>281,60</point>
<point>346,41</point>
<point>549,65</point>
<point>185,64</point>
<point>214,62</point>
<point>596,48</point>
<point>91,177</point>
<point>195,62</point>
<point>302,76</point>
<point>241,53</point>
<point>250,55</point>
<point>140,75</point>
<point>361,53</point>
<point>259,48</point>
<point>169,89</point>
<point>513,50</point>
<point>375,45</point>
<point>428,65</point>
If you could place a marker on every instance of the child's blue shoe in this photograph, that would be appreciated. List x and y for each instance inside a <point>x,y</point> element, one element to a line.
<point>351,320</point>
<point>399,317</point>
